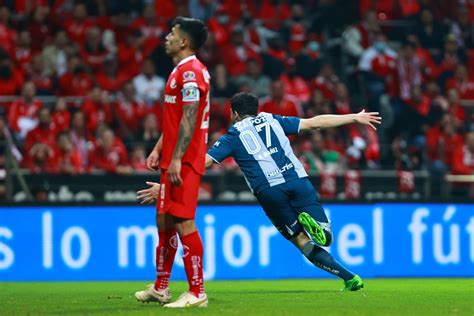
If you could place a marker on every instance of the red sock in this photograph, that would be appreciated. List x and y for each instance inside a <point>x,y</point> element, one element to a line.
<point>193,252</point>
<point>165,252</point>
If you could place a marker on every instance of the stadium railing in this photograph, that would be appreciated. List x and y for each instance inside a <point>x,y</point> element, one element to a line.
<point>453,180</point>
<point>217,186</point>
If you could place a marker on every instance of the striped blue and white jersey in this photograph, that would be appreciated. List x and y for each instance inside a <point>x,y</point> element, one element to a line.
<point>261,148</point>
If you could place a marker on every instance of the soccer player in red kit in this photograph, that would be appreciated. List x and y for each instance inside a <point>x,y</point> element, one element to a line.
<point>180,155</point>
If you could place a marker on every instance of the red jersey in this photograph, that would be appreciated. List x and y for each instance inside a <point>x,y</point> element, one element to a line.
<point>76,30</point>
<point>108,160</point>
<point>61,120</point>
<point>41,135</point>
<point>188,83</point>
<point>289,106</point>
<point>463,160</point>
<point>75,84</point>
<point>20,109</point>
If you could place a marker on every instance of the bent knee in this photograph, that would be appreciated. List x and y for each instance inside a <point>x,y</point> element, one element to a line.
<point>329,238</point>
<point>328,233</point>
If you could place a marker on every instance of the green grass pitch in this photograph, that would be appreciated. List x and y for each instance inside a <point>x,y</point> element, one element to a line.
<point>280,297</point>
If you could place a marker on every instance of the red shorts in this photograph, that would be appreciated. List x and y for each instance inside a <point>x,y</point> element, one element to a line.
<point>179,201</point>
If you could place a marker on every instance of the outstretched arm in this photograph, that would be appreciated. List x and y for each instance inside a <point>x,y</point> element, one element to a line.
<point>330,120</point>
<point>150,195</point>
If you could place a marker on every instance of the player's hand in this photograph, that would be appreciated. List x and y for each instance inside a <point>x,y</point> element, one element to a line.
<point>174,172</point>
<point>150,195</point>
<point>368,118</point>
<point>153,160</point>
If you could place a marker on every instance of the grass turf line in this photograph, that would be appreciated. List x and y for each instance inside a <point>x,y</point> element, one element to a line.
<point>279,297</point>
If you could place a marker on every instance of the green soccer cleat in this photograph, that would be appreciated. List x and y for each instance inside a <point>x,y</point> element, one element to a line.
<point>313,228</point>
<point>354,284</point>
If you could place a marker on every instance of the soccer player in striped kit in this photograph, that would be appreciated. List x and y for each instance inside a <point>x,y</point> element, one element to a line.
<point>259,144</point>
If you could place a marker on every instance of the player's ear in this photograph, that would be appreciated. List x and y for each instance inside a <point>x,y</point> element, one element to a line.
<point>233,115</point>
<point>182,42</point>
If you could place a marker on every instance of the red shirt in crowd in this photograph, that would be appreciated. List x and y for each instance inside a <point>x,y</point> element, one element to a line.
<point>327,86</point>
<point>297,37</point>
<point>27,6</point>
<point>22,57</point>
<point>109,160</point>
<point>44,84</point>
<point>75,85</point>
<point>464,88</point>
<point>41,135</point>
<point>288,106</point>
<point>48,165</point>
<point>96,113</point>
<point>296,86</point>
<point>41,34</point>
<point>279,54</point>
<point>430,71</point>
<point>12,85</point>
<point>165,9</point>
<point>236,58</point>
<point>463,160</point>
<point>7,38</point>
<point>113,84</point>
<point>458,112</point>
<point>342,106</point>
<point>94,59</point>
<point>422,106</point>
<point>69,162</point>
<point>76,30</point>
<point>61,120</point>
<point>130,113</point>
<point>383,65</point>
<point>131,58</point>
<point>152,33</point>
<point>370,137</point>
<point>441,146</point>
<point>274,13</point>
<point>19,109</point>
<point>221,32</point>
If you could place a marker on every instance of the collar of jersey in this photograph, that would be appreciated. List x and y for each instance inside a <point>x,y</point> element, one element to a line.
<point>183,61</point>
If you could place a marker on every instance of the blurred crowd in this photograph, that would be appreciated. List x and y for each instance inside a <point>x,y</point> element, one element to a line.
<point>411,60</point>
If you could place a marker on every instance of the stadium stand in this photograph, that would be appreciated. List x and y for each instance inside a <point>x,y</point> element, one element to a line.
<point>81,81</point>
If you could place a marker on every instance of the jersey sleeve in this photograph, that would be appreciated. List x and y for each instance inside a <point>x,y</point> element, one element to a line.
<point>193,82</point>
<point>221,149</point>
<point>290,124</point>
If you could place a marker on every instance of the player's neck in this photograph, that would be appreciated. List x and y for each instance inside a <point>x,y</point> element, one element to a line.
<point>241,118</point>
<point>182,55</point>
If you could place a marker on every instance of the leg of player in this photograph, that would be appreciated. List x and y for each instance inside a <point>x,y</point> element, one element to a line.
<point>319,231</point>
<point>323,259</point>
<point>165,253</point>
<point>193,265</point>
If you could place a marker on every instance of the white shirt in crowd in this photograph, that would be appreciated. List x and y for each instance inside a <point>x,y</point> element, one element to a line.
<point>365,61</point>
<point>148,90</point>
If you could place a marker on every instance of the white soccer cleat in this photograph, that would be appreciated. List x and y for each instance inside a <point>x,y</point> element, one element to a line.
<point>189,300</point>
<point>152,295</point>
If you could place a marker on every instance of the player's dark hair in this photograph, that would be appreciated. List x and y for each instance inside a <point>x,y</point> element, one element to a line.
<point>194,28</point>
<point>244,103</point>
